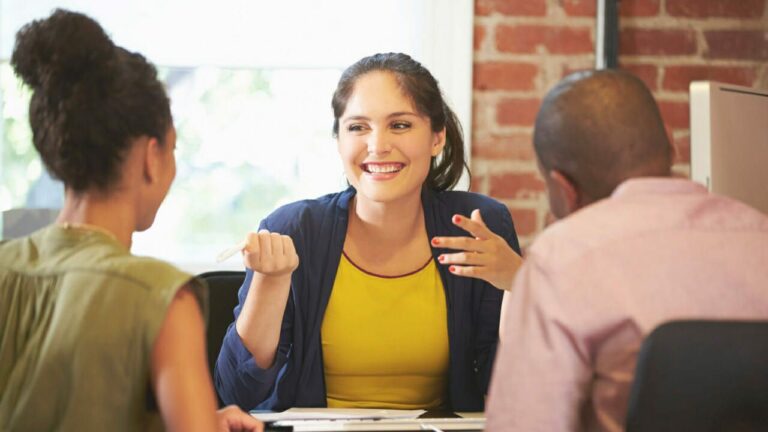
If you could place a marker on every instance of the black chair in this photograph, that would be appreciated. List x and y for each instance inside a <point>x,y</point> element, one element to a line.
<point>222,289</point>
<point>701,376</point>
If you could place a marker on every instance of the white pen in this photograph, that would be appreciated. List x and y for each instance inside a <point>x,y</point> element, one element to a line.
<point>226,253</point>
<point>427,426</point>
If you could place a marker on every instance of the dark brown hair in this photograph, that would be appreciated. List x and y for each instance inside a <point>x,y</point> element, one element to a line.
<point>421,87</point>
<point>90,98</point>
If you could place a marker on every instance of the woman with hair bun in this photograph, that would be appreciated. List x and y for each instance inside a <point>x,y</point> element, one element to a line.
<point>356,299</point>
<point>92,337</point>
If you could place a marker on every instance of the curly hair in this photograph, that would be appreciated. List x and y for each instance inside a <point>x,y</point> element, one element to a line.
<point>90,98</point>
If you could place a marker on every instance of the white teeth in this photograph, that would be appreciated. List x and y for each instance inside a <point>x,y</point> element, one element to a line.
<point>382,168</point>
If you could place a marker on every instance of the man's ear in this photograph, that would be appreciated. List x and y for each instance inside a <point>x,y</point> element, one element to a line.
<point>152,158</point>
<point>567,194</point>
<point>438,142</point>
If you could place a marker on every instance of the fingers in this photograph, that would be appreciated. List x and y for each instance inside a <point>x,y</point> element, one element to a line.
<point>466,271</point>
<point>276,243</point>
<point>290,250</point>
<point>473,225</point>
<point>464,258</point>
<point>231,418</point>
<point>485,255</point>
<point>459,243</point>
<point>270,253</point>
<point>476,216</point>
<point>258,247</point>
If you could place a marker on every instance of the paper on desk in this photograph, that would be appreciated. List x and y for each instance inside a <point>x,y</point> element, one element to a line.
<point>419,424</point>
<point>471,414</point>
<point>337,414</point>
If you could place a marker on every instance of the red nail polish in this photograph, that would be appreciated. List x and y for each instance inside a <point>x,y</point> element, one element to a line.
<point>452,269</point>
<point>441,258</point>
<point>435,241</point>
<point>456,219</point>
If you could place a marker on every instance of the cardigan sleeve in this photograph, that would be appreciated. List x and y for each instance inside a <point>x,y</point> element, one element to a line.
<point>239,380</point>
<point>487,334</point>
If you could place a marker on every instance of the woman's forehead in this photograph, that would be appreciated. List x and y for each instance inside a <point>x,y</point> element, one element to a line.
<point>378,92</point>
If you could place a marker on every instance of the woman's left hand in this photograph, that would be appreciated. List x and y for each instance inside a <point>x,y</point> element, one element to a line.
<point>485,255</point>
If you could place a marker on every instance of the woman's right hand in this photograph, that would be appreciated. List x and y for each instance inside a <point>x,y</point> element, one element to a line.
<point>233,419</point>
<point>270,254</point>
<point>273,258</point>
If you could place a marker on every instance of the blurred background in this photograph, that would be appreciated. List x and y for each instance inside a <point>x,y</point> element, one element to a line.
<point>251,83</point>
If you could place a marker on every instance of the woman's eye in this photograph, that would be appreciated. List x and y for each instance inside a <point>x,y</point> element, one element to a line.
<point>401,125</point>
<point>355,127</point>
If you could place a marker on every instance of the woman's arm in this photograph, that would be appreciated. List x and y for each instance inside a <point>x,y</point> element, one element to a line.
<point>179,374</point>
<point>273,258</point>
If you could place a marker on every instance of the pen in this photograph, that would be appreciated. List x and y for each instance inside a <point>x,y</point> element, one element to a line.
<point>226,253</point>
<point>426,426</point>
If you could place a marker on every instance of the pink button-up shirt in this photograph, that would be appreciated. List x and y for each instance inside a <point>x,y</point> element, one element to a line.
<point>597,282</point>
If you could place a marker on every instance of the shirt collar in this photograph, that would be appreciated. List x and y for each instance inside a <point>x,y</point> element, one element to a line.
<point>657,185</point>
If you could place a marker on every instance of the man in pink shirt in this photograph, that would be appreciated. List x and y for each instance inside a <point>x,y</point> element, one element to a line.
<point>634,247</point>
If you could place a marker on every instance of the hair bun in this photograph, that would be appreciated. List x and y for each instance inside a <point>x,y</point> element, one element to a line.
<point>60,51</point>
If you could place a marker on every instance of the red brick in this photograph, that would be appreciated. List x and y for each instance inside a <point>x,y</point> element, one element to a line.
<point>627,8</point>
<point>647,73</point>
<point>681,171</point>
<point>737,44</point>
<point>670,135</point>
<point>635,41</point>
<point>683,149</point>
<point>580,7</point>
<point>568,69</point>
<point>511,7</point>
<point>639,8</point>
<point>519,185</point>
<point>525,221</point>
<point>675,114</point>
<point>678,78</point>
<point>479,37</point>
<point>518,112</point>
<point>504,76</point>
<point>554,40</point>
<point>518,147</point>
<point>476,183</point>
<point>716,8</point>
<point>571,65</point>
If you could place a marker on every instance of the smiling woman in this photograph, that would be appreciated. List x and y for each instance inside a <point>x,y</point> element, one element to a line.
<point>326,319</point>
<point>250,81</point>
<point>386,146</point>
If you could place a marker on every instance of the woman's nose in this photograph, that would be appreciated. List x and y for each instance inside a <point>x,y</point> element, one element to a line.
<point>378,143</point>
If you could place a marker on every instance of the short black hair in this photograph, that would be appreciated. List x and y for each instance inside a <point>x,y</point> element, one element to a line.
<point>600,128</point>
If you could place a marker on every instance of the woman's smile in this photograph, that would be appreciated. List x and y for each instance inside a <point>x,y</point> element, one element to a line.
<point>380,171</point>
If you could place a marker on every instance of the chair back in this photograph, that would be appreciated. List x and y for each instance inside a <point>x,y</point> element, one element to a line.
<point>701,376</point>
<point>222,289</point>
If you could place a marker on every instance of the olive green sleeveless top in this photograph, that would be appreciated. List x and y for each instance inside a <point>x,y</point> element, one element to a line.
<point>78,319</point>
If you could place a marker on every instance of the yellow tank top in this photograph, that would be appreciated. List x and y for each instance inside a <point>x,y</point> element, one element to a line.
<point>385,340</point>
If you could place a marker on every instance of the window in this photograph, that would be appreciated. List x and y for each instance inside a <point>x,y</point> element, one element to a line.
<point>250,83</point>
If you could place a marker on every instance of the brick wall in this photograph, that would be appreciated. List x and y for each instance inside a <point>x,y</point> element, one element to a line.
<point>523,47</point>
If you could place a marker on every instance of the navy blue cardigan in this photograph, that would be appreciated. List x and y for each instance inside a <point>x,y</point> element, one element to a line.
<point>318,229</point>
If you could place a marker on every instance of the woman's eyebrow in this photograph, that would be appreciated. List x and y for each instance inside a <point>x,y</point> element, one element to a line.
<point>402,113</point>
<point>354,117</point>
<point>394,114</point>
